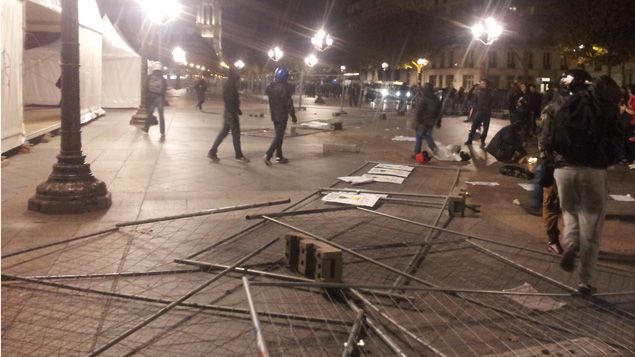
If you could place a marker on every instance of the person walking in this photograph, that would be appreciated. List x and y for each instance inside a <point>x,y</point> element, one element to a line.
<point>582,143</point>
<point>156,86</point>
<point>281,106</point>
<point>427,116</point>
<point>201,88</point>
<point>231,100</point>
<point>535,99</point>
<point>484,103</point>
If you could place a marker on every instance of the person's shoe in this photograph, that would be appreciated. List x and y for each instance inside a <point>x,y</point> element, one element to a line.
<point>567,263</point>
<point>469,143</point>
<point>586,289</point>
<point>267,160</point>
<point>282,160</point>
<point>213,156</point>
<point>242,159</point>
<point>554,247</point>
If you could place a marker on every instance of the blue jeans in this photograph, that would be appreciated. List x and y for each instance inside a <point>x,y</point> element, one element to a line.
<point>155,101</point>
<point>424,133</point>
<point>230,123</point>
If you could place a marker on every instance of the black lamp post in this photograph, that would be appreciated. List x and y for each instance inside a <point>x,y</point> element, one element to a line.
<point>71,187</point>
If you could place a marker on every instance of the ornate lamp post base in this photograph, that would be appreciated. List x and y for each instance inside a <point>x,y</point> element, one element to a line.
<point>71,188</point>
<point>139,118</point>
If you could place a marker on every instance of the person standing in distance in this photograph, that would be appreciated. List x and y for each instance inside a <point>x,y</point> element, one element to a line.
<point>483,107</point>
<point>281,106</point>
<point>156,87</point>
<point>201,88</point>
<point>231,122</point>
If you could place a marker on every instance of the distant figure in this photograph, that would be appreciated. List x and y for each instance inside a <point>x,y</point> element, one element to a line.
<point>156,87</point>
<point>535,100</point>
<point>353,94</point>
<point>58,84</point>
<point>231,99</point>
<point>483,112</point>
<point>201,88</point>
<point>402,93</point>
<point>281,106</point>
<point>427,116</point>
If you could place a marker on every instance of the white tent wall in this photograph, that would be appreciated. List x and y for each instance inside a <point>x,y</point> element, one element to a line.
<point>121,71</point>
<point>90,73</point>
<point>11,40</point>
<point>41,71</point>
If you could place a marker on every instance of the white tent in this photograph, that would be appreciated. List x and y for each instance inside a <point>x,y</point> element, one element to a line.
<point>121,70</point>
<point>41,71</point>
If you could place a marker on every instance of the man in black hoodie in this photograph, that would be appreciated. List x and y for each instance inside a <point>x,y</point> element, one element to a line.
<point>281,106</point>
<point>230,118</point>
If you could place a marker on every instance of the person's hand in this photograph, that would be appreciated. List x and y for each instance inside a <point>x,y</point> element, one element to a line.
<point>240,112</point>
<point>294,119</point>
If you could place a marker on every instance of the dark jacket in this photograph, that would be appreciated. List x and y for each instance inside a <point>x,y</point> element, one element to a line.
<point>201,86</point>
<point>507,144</point>
<point>544,139</point>
<point>280,101</point>
<point>231,98</point>
<point>484,101</point>
<point>429,110</point>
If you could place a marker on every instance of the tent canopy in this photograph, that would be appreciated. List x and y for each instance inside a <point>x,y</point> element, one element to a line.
<point>121,70</point>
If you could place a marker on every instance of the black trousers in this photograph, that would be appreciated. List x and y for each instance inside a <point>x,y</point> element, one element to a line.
<point>276,144</point>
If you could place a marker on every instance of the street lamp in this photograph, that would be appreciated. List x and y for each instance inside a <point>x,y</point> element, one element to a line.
<point>384,65</point>
<point>421,62</point>
<point>487,32</point>
<point>239,64</point>
<point>321,40</point>
<point>178,55</point>
<point>160,12</point>
<point>275,54</point>
<point>310,61</point>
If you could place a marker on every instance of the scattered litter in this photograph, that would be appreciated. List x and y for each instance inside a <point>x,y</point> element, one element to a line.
<point>386,129</point>
<point>395,167</point>
<point>355,180</point>
<point>516,201</point>
<point>540,303</point>
<point>482,183</point>
<point>447,153</point>
<point>380,171</point>
<point>514,338</point>
<point>527,186</point>
<point>316,125</point>
<point>631,166</point>
<point>385,178</point>
<point>355,199</point>
<point>403,138</point>
<point>623,198</point>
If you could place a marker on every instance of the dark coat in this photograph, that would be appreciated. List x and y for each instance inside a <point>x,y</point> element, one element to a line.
<point>280,101</point>
<point>231,98</point>
<point>484,101</point>
<point>428,111</point>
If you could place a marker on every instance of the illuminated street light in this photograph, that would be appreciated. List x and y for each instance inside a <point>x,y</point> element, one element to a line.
<point>239,64</point>
<point>487,31</point>
<point>224,65</point>
<point>311,60</point>
<point>384,66</point>
<point>342,68</point>
<point>321,40</point>
<point>161,11</point>
<point>192,65</point>
<point>178,55</point>
<point>198,66</point>
<point>275,54</point>
<point>422,62</point>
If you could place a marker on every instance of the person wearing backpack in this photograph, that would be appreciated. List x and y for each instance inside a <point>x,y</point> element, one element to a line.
<point>427,116</point>
<point>584,140</point>
<point>156,87</point>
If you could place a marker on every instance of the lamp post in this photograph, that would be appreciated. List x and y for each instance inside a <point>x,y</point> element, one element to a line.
<point>321,40</point>
<point>487,32</point>
<point>178,55</point>
<point>71,187</point>
<point>341,112</point>
<point>310,61</point>
<point>239,64</point>
<point>384,65</point>
<point>160,12</point>
<point>421,62</point>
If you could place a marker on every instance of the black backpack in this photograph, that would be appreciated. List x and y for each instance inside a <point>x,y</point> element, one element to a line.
<point>584,130</point>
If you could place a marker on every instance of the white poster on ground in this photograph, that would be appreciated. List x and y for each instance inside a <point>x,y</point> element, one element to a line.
<point>380,171</point>
<point>395,167</point>
<point>355,180</point>
<point>354,199</point>
<point>384,178</point>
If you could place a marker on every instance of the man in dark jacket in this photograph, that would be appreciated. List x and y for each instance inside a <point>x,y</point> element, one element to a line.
<point>427,116</point>
<point>484,103</point>
<point>201,88</point>
<point>581,164</point>
<point>281,106</point>
<point>507,144</point>
<point>231,123</point>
